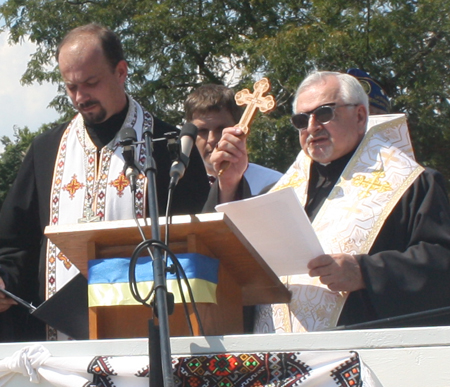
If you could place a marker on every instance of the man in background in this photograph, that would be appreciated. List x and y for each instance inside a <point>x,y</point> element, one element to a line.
<point>378,100</point>
<point>213,109</point>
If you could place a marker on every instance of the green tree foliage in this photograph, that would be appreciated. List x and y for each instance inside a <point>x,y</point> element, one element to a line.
<point>14,150</point>
<point>174,46</point>
<point>12,156</point>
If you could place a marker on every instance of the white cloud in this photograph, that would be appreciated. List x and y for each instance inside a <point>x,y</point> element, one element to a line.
<point>21,105</point>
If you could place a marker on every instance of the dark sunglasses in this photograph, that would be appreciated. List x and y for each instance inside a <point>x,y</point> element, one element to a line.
<point>323,114</point>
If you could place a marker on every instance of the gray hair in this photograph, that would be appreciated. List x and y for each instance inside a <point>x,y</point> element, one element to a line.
<point>351,90</point>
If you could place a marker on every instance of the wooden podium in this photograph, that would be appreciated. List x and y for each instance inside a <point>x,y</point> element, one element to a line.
<point>244,278</point>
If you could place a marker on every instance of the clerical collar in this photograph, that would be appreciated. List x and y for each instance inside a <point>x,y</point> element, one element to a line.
<point>322,179</point>
<point>101,134</point>
<point>335,165</point>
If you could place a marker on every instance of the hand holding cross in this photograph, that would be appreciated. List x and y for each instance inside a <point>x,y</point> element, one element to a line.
<point>254,102</point>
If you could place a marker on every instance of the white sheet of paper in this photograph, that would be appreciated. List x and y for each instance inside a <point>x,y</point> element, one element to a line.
<point>277,227</point>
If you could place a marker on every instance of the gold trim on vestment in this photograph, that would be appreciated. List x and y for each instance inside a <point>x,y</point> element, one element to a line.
<point>374,180</point>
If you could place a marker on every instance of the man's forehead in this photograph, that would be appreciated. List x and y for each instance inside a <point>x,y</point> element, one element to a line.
<point>320,93</point>
<point>81,69</point>
<point>72,79</point>
<point>213,120</point>
<point>77,54</point>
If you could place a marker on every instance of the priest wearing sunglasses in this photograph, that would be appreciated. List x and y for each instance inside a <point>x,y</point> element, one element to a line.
<point>382,219</point>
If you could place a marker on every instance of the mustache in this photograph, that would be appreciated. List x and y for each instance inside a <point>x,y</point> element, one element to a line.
<point>87,104</point>
<point>321,133</point>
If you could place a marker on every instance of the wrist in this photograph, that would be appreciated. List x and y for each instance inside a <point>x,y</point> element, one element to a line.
<point>229,192</point>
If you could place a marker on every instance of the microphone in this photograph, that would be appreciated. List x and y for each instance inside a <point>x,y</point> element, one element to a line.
<point>128,139</point>
<point>187,139</point>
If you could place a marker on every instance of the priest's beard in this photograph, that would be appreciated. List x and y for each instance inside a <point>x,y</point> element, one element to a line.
<point>322,151</point>
<point>95,117</point>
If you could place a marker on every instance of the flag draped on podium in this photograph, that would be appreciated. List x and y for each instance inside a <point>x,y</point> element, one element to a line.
<point>108,279</point>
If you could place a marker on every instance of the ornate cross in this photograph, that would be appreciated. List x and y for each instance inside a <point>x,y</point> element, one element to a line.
<point>294,181</point>
<point>371,185</point>
<point>387,157</point>
<point>89,216</point>
<point>73,186</point>
<point>353,209</point>
<point>120,184</point>
<point>256,101</point>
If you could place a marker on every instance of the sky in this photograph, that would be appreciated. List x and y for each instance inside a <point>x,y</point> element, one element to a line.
<point>21,105</point>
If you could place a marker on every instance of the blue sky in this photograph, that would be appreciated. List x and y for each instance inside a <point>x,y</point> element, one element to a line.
<point>21,105</point>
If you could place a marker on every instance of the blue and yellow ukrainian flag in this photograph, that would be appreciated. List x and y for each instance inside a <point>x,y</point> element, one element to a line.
<point>108,280</point>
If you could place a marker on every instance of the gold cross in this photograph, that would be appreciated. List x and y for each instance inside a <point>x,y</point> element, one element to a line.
<point>387,157</point>
<point>294,181</point>
<point>254,102</point>
<point>371,185</point>
<point>352,210</point>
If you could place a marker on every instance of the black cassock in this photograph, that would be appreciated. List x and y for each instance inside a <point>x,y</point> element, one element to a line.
<point>25,214</point>
<point>407,269</point>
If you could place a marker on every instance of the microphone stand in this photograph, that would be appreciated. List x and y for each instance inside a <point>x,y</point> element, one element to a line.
<point>160,309</point>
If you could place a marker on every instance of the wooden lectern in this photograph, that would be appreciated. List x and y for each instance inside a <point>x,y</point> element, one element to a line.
<point>244,278</point>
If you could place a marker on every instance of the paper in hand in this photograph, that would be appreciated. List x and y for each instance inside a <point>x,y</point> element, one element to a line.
<point>277,227</point>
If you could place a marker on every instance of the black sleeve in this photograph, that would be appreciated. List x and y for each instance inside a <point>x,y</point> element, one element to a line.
<point>408,268</point>
<point>192,190</point>
<point>243,192</point>
<point>20,231</point>
<point>24,216</point>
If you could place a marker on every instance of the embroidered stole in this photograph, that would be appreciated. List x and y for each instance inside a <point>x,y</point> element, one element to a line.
<point>381,170</point>
<point>90,188</point>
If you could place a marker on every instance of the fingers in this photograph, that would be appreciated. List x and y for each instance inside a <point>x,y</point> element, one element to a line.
<point>5,301</point>
<point>232,146</point>
<point>340,272</point>
<point>231,149</point>
<point>320,261</point>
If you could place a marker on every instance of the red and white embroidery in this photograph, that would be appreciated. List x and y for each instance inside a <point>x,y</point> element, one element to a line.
<point>73,186</point>
<point>120,184</point>
<point>89,188</point>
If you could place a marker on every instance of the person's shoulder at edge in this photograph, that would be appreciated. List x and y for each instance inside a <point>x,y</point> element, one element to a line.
<point>162,127</point>
<point>433,175</point>
<point>259,177</point>
<point>259,169</point>
<point>430,179</point>
<point>52,134</point>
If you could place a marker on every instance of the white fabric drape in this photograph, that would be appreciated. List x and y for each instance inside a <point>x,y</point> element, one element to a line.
<point>36,364</point>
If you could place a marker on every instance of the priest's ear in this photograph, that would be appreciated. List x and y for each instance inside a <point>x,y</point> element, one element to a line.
<point>121,71</point>
<point>362,117</point>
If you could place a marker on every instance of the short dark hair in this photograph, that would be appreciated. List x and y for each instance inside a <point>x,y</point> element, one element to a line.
<point>110,42</point>
<point>209,98</point>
